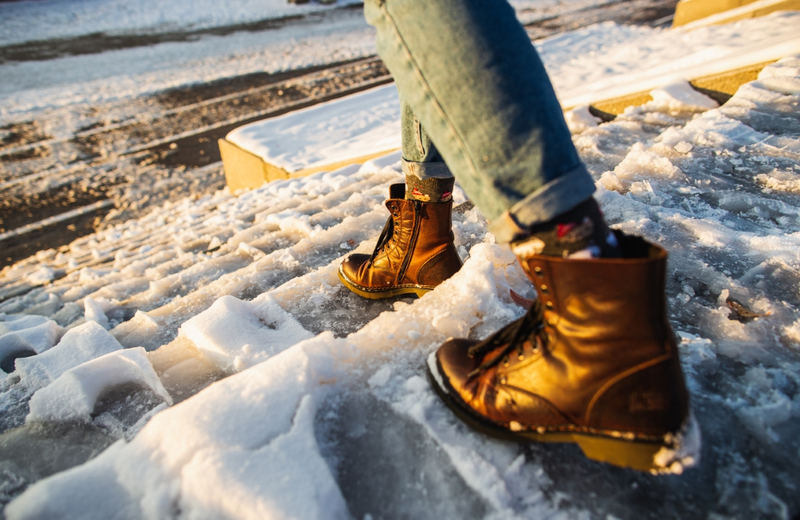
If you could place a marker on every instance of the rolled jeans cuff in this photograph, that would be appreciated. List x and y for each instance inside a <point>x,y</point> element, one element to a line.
<point>554,198</point>
<point>427,170</point>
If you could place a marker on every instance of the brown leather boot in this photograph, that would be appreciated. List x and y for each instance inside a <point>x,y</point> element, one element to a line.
<point>594,362</point>
<point>415,251</point>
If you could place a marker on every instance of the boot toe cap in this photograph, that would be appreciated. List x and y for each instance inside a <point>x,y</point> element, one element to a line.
<point>454,366</point>
<point>352,265</point>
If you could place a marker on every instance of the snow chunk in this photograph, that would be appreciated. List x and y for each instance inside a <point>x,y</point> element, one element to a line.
<point>686,452</point>
<point>94,311</point>
<point>782,76</point>
<point>579,119</point>
<point>788,66</point>
<point>641,163</point>
<point>783,85</point>
<point>293,222</point>
<point>41,276</point>
<point>238,334</point>
<point>793,332</point>
<point>74,394</point>
<point>680,97</point>
<point>234,484</point>
<point>81,344</point>
<point>38,332</point>
<point>381,377</point>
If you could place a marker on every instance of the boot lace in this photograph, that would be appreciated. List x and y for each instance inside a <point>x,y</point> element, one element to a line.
<point>510,338</point>
<point>383,239</point>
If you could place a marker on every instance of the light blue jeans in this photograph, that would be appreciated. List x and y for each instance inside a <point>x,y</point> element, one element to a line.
<point>468,73</point>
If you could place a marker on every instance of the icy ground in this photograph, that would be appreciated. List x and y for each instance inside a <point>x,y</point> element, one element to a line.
<point>319,406</point>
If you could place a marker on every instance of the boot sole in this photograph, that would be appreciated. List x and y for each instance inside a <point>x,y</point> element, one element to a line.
<point>653,457</point>
<point>377,294</point>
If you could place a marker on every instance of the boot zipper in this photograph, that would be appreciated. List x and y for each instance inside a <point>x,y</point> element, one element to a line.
<point>412,243</point>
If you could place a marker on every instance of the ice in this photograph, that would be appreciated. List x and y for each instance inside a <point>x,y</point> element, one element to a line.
<point>239,334</point>
<point>73,395</point>
<point>83,343</point>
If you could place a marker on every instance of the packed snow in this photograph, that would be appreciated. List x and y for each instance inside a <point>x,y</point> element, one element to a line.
<point>204,361</point>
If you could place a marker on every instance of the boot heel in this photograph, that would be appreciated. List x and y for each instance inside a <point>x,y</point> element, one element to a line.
<point>681,451</point>
<point>636,455</point>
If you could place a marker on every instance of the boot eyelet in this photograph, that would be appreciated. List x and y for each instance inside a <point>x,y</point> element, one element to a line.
<point>549,305</point>
<point>521,357</point>
<point>544,289</point>
<point>537,270</point>
<point>503,380</point>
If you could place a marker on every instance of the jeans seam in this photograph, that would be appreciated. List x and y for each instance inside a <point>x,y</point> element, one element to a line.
<point>418,135</point>
<point>417,72</point>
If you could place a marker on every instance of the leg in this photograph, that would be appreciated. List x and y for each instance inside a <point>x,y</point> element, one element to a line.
<point>472,77</point>
<point>428,179</point>
<point>594,361</point>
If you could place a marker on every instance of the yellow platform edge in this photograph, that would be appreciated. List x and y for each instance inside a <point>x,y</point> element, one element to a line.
<point>691,14</point>
<point>246,170</point>
<point>719,87</point>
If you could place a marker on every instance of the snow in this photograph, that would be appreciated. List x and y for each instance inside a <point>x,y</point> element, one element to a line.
<point>265,419</point>
<point>296,399</point>
<point>79,345</point>
<point>238,334</point>
<point>679,96</point>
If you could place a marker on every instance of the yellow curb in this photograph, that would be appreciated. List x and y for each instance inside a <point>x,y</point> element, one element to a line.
<point>692,14</point>
<point>245,170</point>
<point>719,87</point>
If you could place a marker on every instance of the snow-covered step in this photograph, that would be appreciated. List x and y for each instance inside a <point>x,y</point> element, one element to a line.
<point>325,137</point>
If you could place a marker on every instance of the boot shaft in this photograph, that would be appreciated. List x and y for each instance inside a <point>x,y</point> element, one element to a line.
<point>620,302</point>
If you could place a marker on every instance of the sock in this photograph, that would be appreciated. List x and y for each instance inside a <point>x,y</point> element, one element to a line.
<point>429,190</point>
<point>581,232</point>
